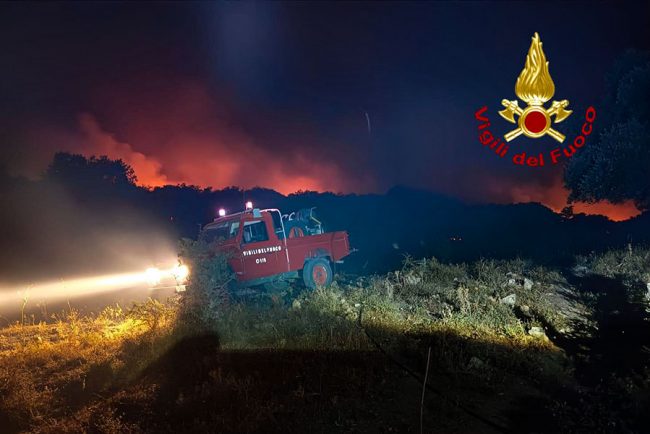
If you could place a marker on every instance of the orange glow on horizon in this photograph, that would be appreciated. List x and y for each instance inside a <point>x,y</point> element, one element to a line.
<point>555,197</point>
<point>614,212</point>
<point>218,154</point>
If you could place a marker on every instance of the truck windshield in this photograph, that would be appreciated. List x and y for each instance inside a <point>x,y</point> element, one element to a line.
<point>222,231</point>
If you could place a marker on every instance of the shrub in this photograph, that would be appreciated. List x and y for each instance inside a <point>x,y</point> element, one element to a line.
<point>207,289</point>
<point>631,264</point>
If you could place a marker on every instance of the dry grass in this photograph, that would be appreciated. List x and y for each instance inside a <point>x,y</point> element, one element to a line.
<point>454,308</point>
<point>111,373</point>
<point>47,371</point>
<point>631,264</point>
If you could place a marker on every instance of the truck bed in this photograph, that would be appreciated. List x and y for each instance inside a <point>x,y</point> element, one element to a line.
<point>332,244</point>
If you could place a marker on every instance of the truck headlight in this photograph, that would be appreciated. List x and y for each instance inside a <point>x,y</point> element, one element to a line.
<point>153,276</point>
<point>180,273</point>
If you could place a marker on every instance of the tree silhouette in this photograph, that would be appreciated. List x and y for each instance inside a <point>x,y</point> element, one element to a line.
<point>85,197</point>
<point>615,165</point>
<point>98,180</point>
<point>74,168</point>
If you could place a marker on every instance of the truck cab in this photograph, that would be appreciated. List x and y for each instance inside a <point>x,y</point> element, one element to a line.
<point>265,246</point>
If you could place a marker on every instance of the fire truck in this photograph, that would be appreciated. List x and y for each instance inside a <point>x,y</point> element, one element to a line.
<point>266,247</point>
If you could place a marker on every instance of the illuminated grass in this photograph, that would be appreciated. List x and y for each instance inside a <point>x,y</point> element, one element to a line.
<point>327,320</point>
<point>41,365</point>
<point>74,375</point>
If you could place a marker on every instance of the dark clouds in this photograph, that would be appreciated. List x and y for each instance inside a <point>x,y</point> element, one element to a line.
<point>276,94</point>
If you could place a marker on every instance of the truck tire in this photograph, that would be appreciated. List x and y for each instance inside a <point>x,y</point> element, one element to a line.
<point>317,273</point>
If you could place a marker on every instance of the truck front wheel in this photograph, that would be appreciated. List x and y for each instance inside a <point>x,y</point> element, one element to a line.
<point>317,273</point>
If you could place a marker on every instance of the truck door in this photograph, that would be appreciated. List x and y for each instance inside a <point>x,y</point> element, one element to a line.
<point>261,250</point>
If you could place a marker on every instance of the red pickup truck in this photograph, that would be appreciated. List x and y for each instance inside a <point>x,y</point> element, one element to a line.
<point>266,247</point>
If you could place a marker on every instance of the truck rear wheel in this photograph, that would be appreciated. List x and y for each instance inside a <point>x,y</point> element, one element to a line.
<point>317,273</point>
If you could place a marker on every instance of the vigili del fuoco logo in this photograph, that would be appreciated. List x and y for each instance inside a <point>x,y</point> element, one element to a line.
<point>535,88</point>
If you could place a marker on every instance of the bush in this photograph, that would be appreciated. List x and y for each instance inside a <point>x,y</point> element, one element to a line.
<point>631,264</point>
<point>207,289</point>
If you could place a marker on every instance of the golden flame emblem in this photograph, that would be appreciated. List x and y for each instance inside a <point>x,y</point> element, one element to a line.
<point>535,87</point>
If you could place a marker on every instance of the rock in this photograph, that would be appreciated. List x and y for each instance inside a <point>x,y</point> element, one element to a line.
<point>511,279</point>
<point>537,332</point>
<point>567,305</point>
<point>514,280</point>
<point>525,311</point>
<point>509,300</point>
<point>569,316</point>
<point>580,270</point>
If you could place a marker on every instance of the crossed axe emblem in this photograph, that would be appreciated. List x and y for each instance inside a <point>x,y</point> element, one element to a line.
<point>535,114</point>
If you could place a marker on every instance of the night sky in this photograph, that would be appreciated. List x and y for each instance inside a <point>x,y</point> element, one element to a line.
<point>347,97</point>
